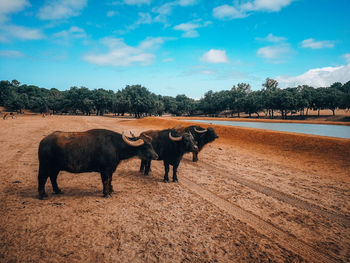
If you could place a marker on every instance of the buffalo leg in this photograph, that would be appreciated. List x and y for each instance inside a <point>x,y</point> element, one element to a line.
<point>111,190</point>
<point>105,182</point>
<point>166,168</point>
<point>42,178</point>
<point>175,173</point>
<point>53,179</point>
<point>142,166</point>
<point>147,167</point>
<point>195,156</point>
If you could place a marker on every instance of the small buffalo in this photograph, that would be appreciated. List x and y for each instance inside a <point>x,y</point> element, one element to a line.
<point>201,137</point>
<point>170,147</point>
<point>95,150</point>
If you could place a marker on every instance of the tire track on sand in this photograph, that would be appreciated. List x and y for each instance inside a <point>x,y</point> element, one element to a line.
<point>283,197</point>
<point>269,230</point>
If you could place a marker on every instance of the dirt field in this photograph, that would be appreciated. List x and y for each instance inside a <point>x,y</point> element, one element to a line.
<point>253,196</point>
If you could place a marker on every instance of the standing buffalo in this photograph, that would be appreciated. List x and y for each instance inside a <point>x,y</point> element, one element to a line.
<point>90,151</point>
<point>201,137</point>
<point>170,147</point>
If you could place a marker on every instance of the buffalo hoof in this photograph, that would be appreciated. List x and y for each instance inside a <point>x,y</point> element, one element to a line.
<point>57,192</point>
<point>166,180</point>
<point>107,195</point>
<point>42,196</point>
<point>194,160</point>
<point>175,180</point>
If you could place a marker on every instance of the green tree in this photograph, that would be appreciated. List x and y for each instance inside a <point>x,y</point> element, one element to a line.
<point>184,105</point>
<point>269,91</point>
<point>5,92</point>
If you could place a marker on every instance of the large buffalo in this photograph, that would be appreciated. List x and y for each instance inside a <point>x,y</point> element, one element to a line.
<point>170,147</point>
<point>201,137</point>
<point>90,151</point>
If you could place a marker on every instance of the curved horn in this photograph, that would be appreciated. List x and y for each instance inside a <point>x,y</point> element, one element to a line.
<point>132,134</point>
<point>175,139</point>
<point>137,143</point>
<point>202,131</point>
<point>147,137</point>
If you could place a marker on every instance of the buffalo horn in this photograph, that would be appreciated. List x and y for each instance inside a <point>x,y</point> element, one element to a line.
<point>147,137</point>
<point>198,131</point>
<point>137,143</point>
<point>176,139</point>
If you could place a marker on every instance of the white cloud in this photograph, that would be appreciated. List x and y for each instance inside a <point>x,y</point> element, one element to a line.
<point>189,28</point>
<point>215,56</point>
<point>312,43</point>
<point>21,32</point>
<point>271,38</point>
<point>72,32</point>
<point>111,13</point>
<point>275,54</point>
<point>121,54</point>
<point>241,10</point>
<point>153,42</point>
<point>319,77</point>
<point>11,53</point>
<point>144,19</point>
<point>166,9</point>
<point>12,6</point>
<point>227,12</point>
<point>137,2</point>
<point>266,5</point>
<point>60,9</point>
<point>187,2</point>
<point>347,57</point>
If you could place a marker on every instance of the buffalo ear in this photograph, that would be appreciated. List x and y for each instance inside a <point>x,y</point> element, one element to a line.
<point>146,138</point>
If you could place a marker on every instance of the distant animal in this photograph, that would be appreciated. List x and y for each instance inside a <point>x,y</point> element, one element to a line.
<point>170,147</point>
<point>95,150</point>
<point>201,137</point>
<point>5,116</point>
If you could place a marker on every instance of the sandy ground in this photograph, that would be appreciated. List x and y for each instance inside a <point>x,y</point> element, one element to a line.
<point>253,197</point>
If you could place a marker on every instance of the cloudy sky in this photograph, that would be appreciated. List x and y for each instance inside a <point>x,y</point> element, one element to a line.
<point>174,46</point>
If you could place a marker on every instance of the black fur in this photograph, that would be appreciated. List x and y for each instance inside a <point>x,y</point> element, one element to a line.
<point>169,151</point>
<point>91,151</point>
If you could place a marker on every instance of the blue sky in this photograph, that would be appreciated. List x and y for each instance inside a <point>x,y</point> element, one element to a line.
<point>174,47</point>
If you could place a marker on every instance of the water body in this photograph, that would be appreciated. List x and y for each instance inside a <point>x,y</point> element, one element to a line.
<point>338,131</point>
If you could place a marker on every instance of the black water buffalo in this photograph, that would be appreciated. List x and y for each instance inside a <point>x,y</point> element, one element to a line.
<point>90,151</point>
<point>201,137</point>
<point>170,147</point>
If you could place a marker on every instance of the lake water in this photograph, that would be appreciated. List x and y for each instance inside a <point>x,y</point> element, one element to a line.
<point>339,131</point>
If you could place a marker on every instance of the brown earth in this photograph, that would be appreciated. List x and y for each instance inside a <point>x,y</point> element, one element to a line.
<point>253,196</point>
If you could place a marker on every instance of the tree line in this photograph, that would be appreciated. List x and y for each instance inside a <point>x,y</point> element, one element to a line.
<point>139,101</point>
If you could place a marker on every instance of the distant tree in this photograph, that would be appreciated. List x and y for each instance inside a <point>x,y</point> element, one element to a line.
<point>269,91</point>
<point>55,100</point>
<point>102,100</point>
<point>17,102</point>
<point>15,83</point>
<point>207,103</point>
<point>184,105</point>
<point>120,103</point>
<point>306,98</point>
<point>238,94</point>
<point>170,105</point>
<point>345,103</point>
<point>139,99</point>
<point>253,103</point>
<point>333,98</point>
<point>5,91</point>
